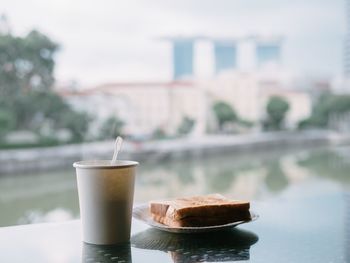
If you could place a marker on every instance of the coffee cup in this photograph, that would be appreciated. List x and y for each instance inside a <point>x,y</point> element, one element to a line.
<point>106,193</point>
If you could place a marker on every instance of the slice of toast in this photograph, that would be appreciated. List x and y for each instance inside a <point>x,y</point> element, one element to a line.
<point>202,221</point>
<point>208,206</point>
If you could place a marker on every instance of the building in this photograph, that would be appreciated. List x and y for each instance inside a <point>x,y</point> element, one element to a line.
<point>347,43</point>
<point>266,51</point>
<point>225,56</point>
<point>239,89</point>
<point>300,103</point>
<point>150,106</point>
<point>182,58</point>
<point>143,107</point>
<point>248,94</point>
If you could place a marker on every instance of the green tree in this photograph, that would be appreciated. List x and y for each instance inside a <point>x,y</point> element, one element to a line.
<point>26,67</point>
<point>27,63</point>
<point>185,126</point>
<point>77,123</point>
<point>276,109</point>
<point>6,123</point>
<point>326,106</point>
<point>159,134</point>
<point>26,79</point>
<point>111,128</point>
<point>224,113</point>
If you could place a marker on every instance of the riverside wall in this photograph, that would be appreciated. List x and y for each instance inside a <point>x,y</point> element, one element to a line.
<point>59,157</point>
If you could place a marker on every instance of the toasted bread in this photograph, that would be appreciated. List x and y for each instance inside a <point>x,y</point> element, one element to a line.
<point>199,210</point>
<point>208,205</point>
<point>202,221</point>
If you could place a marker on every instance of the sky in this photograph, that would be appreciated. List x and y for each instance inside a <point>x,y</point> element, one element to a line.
<point>111,40</point>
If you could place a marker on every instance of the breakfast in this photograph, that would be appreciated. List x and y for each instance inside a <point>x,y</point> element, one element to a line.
<point>199,211</point>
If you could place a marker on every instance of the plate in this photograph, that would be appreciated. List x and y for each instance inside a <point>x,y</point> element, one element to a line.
<point>142,213</point>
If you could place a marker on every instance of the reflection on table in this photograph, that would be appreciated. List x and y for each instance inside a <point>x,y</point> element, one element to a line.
<point>230,245</point>
<point>98,253</point>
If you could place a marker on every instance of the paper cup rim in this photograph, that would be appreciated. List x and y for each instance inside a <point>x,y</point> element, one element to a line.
<point>105,164</point>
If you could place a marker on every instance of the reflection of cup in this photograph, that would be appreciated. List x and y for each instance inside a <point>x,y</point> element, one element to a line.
<point>229,245</point>
<point>105,198</point>
<point>96,253</point>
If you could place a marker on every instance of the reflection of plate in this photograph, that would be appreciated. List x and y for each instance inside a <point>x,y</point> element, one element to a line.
<point>228,245</point>
<point>142,213</point>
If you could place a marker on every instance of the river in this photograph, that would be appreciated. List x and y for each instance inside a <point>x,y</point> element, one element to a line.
<point>52,196</point>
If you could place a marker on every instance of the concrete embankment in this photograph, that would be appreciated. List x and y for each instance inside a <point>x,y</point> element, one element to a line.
<point>40,159</point>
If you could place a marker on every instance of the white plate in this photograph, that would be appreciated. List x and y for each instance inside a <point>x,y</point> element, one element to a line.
<point>142,213</point>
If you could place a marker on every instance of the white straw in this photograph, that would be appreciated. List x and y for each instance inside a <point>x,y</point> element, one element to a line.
<point>117,147</point>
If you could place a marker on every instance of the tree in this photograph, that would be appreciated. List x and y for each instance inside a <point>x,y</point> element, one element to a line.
<point>111,128</point>
<point>325,107</point>
<point>224,113</point>
<point>6,123</point>
<point>26,67</point>
<point>185,126</point>
<point>276,109</point>
<point>26,79</point>
<point>77,123</point>
<point>159,134</point>
<point>27,63</point>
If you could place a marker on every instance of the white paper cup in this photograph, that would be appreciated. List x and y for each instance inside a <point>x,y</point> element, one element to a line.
<point>106,194</point>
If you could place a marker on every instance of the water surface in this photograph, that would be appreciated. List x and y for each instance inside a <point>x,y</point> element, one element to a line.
<point>262,177</point>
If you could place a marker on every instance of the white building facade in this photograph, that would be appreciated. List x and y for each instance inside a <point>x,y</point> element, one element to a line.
<point>146,107</point>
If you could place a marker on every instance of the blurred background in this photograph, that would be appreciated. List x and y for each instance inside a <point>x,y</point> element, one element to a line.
<point>247,98</point>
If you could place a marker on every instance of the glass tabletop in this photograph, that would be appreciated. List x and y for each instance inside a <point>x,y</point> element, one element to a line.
<point>306,229</point>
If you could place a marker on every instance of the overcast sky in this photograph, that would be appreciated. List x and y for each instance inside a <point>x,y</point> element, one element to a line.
<point>109,40</point>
